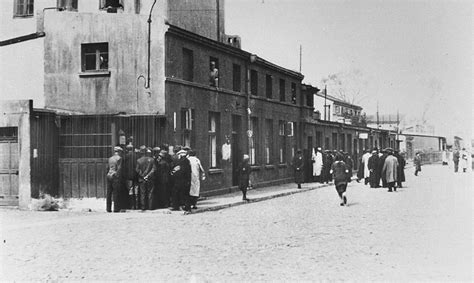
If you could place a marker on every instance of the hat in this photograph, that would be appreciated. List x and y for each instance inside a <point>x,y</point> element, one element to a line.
<point>181,152</point>
<point>186,148</point>
<point>319,148</point>
<point>162,153</point>
<point>143,148</point>
<point>117,148</point>
<point>129,146</point>
<point>156,148</point>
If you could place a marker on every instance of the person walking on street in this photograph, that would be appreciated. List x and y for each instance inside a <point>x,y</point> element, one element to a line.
<point>244,176</point>
<point>390,170</point>
<point>364,172</point>
<point>340,173</point>
<point>380,168</point>
<point>181,174</point>
<point>197,174</point>
<point>317,158</point>
<point>401,169</point>
<point>350,165</point>
<point>146,173</point>
<point>463,160</point>
<point>417,162</point>
<point>373,161</point>
<point>298,165</point>
<point>456,156</point>
<point>115,180</point>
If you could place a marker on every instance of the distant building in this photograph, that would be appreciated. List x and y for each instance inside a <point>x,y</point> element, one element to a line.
<point>330,108</point>
<point>389,122</point>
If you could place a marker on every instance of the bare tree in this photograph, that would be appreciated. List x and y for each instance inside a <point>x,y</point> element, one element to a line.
<point>347,86</point>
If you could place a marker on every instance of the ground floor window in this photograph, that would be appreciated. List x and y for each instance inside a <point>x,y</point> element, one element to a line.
<point>214,130</point>
<point>282,141</point>
<point>252,140</point>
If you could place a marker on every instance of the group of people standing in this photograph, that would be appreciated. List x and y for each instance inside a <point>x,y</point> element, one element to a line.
<point>151,178</point>
<point>460,159</point>
<point>384,168</point>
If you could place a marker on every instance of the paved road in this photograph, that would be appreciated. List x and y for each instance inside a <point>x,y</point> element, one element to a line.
<point>421,232</point>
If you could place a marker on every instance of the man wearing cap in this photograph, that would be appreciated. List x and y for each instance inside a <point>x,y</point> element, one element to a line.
<point>374,178</point>
<point>317,158</point>
<point>146,173</point>
<point>380,167</point>
<point>181,175</point>
<point>298,165</point>
<point>115,180</point>
<point>390,170</point>
<point>244,171</point>
<point>130,162</point>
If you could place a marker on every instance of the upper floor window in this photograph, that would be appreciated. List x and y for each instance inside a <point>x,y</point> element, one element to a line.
<point>253,82</point>
<point>111,5</point>
<point>69,5</point>
<point>236,78</point>
<point>214,71</point>
<point>293,93</point>
<point>95,56</point>
<point>269,86</point>
<point>188,65</point>
<point>282,90</point>
<point>23,8</point>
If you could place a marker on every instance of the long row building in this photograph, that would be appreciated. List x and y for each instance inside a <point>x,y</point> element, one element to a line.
<point>78,78</point>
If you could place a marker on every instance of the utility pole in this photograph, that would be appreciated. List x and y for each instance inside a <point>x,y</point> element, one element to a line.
<point>378,125</point>
<point>325,96</point>
<point>301,55</point>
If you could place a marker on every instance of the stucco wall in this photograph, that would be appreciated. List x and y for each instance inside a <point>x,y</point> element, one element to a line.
<point>127,36</point>
<point>21,71</point>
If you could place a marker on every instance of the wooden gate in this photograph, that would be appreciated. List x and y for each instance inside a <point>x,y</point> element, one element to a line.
<point>9,161</point>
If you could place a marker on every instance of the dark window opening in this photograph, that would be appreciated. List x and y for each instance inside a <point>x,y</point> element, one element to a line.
<point>253,82</point>
<point>269,86</point>
<point>293,93</point>
<point>188,65</point>
<point>95,56</point>
<point>214,72</point>
<point>237,78</point>
<point>282,90</point>
<point>23,8</point>
<point>111,6</point>
<point>69,5</point>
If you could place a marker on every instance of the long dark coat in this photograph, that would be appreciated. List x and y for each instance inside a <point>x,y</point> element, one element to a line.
<point>327,163</point>
<point>244,175</point>
<point>163,191</point>
<point>381,163</point>
<point>340,172</point>
<point>374,178</point>
<point>360,172</point>
<point>298,165</point>
<point>401,168</point>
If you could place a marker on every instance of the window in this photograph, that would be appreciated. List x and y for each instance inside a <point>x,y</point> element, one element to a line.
<point>268,140</point>
<point>236,78</point>
<point>282,141</point>
<point>23,8</point>
<point>213,71</point>
<point>69,5</point>
<point>214,129</point>
<point>95,56</point>
<point>252,140</point>
<point>187,125</point>
<point>334,141</point>
<point>342,145</point>
<point>310,99</point>
<point>282,90</point>
<point>253,82</point>
<point>291,129</point>
<point>336,109</point>
<point>269,86</point>
<point>293,93</point>
<point>111,6</point>
<point>188,65</point>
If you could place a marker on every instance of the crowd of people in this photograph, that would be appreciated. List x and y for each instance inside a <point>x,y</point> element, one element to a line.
<point>151,178</point>
<point>460,158</point>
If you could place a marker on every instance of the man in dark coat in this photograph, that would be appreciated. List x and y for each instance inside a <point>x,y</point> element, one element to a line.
<point>146,174</point>
<point>130,162</point>
<point>115,180</point>
<point>340,172</point>
<point>350,165</point>
<point>401,169</point>
<point>162,189</point>
<point>181,175</point>
<point>417,163</point>
<point>380,168</point>
<point>298,165</point>
<point>244,176</point>
<point>374,178</point>
<point>327,163</point>
<point>456,156</point>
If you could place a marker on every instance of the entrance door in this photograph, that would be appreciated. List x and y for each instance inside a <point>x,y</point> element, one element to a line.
<point>9,160</point>
<point>236,149</point>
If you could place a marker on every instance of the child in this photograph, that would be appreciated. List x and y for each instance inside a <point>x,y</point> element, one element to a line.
<point>340,172</point>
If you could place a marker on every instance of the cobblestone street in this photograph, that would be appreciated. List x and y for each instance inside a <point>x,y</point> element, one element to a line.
<point>420,232</point>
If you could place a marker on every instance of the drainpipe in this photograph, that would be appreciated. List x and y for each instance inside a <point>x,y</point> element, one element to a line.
<point>253,59</point>
<point>149,43</point>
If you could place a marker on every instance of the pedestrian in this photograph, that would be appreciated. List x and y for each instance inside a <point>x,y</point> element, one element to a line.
<point>162,188</point>
<point>373,161</point>
<point>364,172</point>
<point>131,177</point>
<point>327,163</point>
<point>380,168</point>
<point>181,175</point>
<point>456,156</point>
<point>463,159</point>
<point>417,163</point>
<point>197,174</point>
<point>350,165</point>
<point>340,173</point>
<point>401,169</point>
<point>390,170</point>
<point>244,171</point>
<point>146,173</point>
<point>115,180</point>
<point>317,158</point>
<point>298,165</point>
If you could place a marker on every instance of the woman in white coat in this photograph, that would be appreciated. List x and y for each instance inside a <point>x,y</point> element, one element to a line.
<point>197,174</point>
<point>317,158</point>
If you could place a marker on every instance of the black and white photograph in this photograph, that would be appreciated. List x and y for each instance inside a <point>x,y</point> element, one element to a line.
<point>236,140</point>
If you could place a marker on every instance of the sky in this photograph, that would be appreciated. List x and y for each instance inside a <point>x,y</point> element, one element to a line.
<point>411,56</point>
